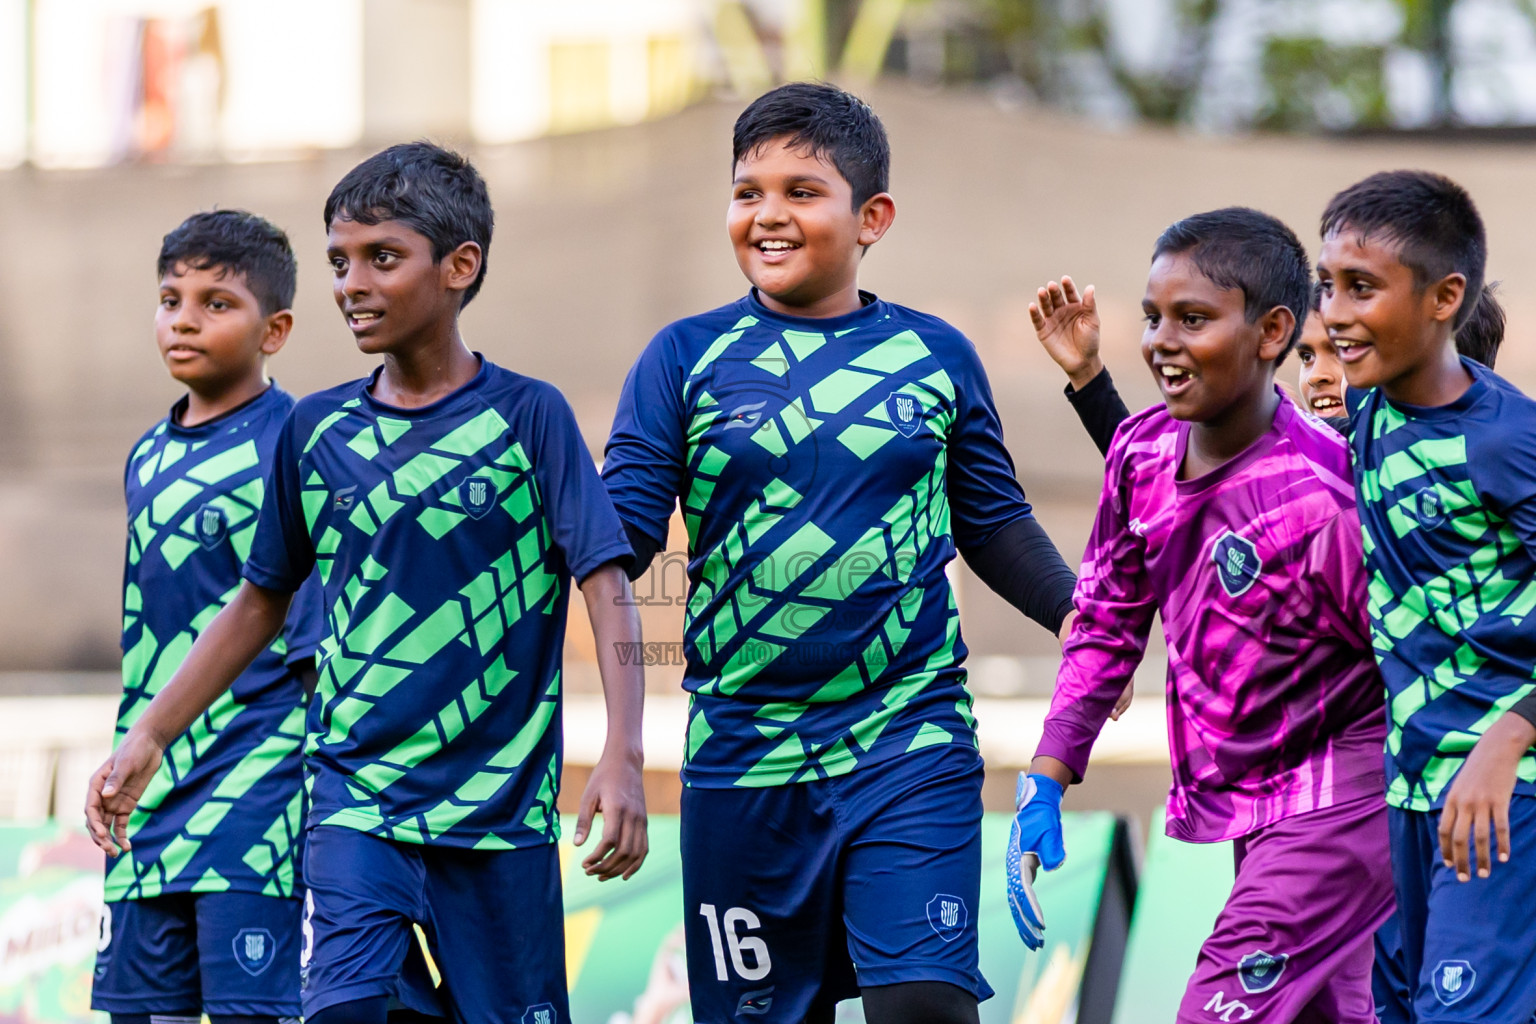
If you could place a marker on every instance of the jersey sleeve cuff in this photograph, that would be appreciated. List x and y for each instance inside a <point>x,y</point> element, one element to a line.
<point>617,552</point>
<point>1074,756</point>
<point>269,580</point>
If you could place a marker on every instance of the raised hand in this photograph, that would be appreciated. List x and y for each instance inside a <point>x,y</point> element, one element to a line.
<point>1067,324</point>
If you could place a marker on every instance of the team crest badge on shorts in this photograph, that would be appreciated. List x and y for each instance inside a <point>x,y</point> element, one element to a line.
<point>947,916</point>
<point>254,950</point>
<point>543,1013</point>
<point>212,526</point>
<point>1260,971</point>
<point>1453,980</point>
<point>478,496</point>
<point>1237,563</point>
<point>906,412</point>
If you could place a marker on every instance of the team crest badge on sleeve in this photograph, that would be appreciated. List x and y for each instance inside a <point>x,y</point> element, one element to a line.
<point>254,950</point>
<point>1237,563</point>
<point>212,526</point>
<point>1453,980</point>
<point>543,1013</point>
<point>1260,971</point>
<point>947,916</point>
<point>905,411</point>
<point>478,496</point>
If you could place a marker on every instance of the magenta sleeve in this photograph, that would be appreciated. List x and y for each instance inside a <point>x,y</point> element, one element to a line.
<point>1115,605</point>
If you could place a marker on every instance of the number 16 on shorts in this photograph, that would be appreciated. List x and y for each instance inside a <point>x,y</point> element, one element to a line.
<point>728,935</point>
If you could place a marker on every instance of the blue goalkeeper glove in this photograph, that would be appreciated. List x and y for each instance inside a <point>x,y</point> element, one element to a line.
<point>1034,842</point>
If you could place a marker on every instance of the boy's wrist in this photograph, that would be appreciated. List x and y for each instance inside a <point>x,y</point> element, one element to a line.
<point>1083,375</point>
<point>624,750</point>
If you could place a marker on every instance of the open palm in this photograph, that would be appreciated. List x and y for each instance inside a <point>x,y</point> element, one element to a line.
<point>1067,324</point>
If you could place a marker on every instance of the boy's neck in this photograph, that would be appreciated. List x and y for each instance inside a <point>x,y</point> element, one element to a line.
<point>1215,442</point>
<point>1439,380</point>
<point>839,303</point>
<point>417,375</point>
<point>205,406</point>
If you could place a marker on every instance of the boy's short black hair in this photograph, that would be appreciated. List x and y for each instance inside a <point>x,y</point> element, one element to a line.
<point>834,125</point>
<point>1431,219</point>
<point>1237,247</point>
<point>1482,332</point>
<point>434,191</point>
<point>239,243</point>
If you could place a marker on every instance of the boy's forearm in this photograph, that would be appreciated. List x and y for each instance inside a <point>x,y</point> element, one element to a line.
<point>1511,734</point>
<point>226,648</point>
<point>615,628</point>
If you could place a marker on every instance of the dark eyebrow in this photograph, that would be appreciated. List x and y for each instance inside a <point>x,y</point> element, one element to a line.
<point>387,242</point>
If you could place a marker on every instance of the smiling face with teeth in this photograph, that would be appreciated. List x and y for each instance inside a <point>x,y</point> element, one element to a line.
<point>1390,332</point>
<point>214,337</point>
<point>1322,375</point>
<point>1214,367</point>
<point>797,235</point>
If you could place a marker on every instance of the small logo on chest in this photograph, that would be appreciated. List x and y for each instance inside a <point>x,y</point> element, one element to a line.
<point>1430,508</point>
<point>906,412</point>
<point>478,496</point>
<point>1237,563</point>
<point>212,526</point>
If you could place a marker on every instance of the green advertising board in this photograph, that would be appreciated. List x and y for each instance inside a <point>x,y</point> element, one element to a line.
<point>623,939</point>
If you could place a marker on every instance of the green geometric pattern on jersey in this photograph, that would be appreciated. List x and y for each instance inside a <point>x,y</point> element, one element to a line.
<point>168,526</point>
<point>388,645</point>
<point>1451,602</point>
<point>768,617</point>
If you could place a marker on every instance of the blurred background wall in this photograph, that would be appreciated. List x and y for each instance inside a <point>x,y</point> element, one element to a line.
<point>1031,137</point>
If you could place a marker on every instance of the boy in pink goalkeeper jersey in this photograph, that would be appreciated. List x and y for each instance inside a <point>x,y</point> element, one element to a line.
<point>1233,516</point>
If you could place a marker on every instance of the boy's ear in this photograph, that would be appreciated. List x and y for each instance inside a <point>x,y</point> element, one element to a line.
<point>1275,330</point>
<point>462,266</point>
<point>275,335</point>
<point>1446,296</point>
<point>875,218</point>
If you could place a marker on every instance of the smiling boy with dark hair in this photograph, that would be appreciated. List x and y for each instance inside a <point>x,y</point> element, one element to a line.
<point>1229,512</point>
<point>202,908</point>
<point>445,503</point>
<point>1445,472</point>
<point>832,451</point>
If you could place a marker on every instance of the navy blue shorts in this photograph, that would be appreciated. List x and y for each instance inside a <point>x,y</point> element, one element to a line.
<point>1470,945</point>
<point>493,921</point>
<point>225,954</point>
<point>796,896</point>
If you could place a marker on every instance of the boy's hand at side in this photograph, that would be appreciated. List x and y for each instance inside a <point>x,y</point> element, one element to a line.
<point>225,647</point>
<point>616,789</point>
<point>1067,324</point>
<point>115,788</point>
<point>1035,841</point>
<point>1476,811</point>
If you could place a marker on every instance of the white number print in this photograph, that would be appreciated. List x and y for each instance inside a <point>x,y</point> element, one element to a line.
<point>308,929</point>
<point>732,924</point>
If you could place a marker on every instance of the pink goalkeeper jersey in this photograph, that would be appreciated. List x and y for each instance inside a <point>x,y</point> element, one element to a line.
<point>1274,702</point>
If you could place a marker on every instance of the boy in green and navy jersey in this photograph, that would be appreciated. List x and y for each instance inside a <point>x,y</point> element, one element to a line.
<point>202,913</point>
<point>831,452</point>
<point>445,503</point>
<point>1445,473</point>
